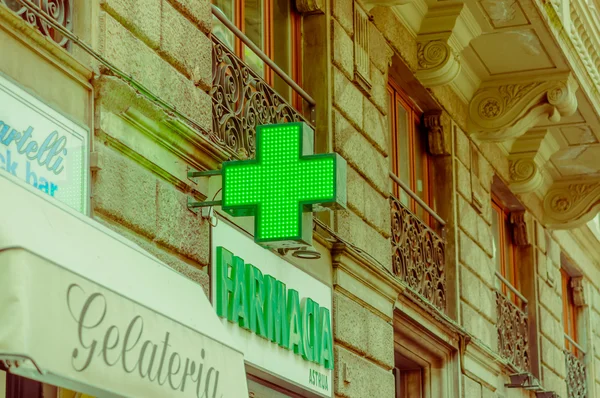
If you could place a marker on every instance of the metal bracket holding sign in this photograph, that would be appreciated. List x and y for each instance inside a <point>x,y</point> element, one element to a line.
<point>282,186</point>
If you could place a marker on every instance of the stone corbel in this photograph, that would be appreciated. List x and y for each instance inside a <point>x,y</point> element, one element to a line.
<point>527,160</point>
<point>520,233</point>
<point>571,203</point>
<point>308,7</point>
<point>446,30</point>
<point>439,130</point>
<point>579,296</point>
<point>501,110</point>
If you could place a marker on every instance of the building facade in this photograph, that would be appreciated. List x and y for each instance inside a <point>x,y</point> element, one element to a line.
<point>467,261</point>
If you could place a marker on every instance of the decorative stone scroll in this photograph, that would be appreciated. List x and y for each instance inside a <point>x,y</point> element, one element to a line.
<point>569,204</point>
<point>445,31</point>
<point>439,130</point>
<point>529,155</point>
<point>501,110</point>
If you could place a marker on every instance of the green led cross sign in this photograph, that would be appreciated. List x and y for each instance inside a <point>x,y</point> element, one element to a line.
<point>283,184</point>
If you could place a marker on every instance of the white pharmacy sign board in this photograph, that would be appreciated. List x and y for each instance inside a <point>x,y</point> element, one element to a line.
<point>279,315</point>
<point>42,147</point>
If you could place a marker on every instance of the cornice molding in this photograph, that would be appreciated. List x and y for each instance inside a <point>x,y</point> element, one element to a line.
<point>571,203</point>
<point>504,109</point>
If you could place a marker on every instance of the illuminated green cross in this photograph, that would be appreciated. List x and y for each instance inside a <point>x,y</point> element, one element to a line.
<point>282,184</point>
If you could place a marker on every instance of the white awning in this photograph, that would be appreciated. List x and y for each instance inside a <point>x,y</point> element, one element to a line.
<point>82,308</point>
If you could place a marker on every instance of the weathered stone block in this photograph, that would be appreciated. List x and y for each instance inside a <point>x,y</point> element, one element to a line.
<point>344,13</point>
<point>473,257</point>
<point>365,332</point>
<point>550,300</point>
<point>486,173</point>
<point>135,58</point>
<point>379,50</point>
<point>399,37</point>
<point>185,47</point>
<point>551,327</point>
<point>552,382</point>
<point>348,98</point>
<point>141,17</point>
<point>196,10</point>
<point>467,218</point>
<point>352,228</point>
<point>479,327</point>
<point>180,229</point>
<point>463,179</point>
<point>484,235</point>
<point>553,356</point>
<point>377,211</point>
<point>359,152</point>
<point>540,236</point>
<point>462,148</point>
<point>362,378</point>
<point>480,296</point>
<point>379,93</point>
<point>554,252</point>
<point>542,266</point>
<point>125,191</point>
<point>376,126</point>
<point>472,388</point>
<point>343,50</point>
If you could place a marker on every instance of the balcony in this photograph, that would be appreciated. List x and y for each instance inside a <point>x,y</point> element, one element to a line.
<point>243,100</point>
<point>59,11</point>
<point>576,383</point>
<point>418,253</point>
<point>513,326</point>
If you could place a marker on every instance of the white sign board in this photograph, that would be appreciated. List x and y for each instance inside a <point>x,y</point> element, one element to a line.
<point>42,147</point>
<point>263,353</point>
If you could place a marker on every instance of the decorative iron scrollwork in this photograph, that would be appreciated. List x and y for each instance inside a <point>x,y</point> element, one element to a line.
<point>576,386</point>
<point>241,101</point>
<point>418,255</point>
<point>513,332</point>
<point>60,11</point>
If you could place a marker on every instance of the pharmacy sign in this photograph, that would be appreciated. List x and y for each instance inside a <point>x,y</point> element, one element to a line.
<point>283,185</point>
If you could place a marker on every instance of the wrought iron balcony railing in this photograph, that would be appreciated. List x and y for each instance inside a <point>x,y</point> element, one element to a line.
<point>576,378</point>
<point>242,99</point>
<point>60,11</point>
<point>513,329</point>
<point>418,255</point>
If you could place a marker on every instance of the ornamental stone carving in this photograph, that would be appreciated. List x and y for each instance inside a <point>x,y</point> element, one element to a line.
<point>310,6</point>
<point>570,204</point>
<point>527,160</point>
<point>579,296</point>
<point>501,111</point>
<point>520,236</point>
<point>445,31</point>
<point>439,128</point>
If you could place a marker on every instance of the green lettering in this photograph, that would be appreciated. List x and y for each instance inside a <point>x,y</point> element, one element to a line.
<point>238,308</point>
<point>224,282</point>
<point>256,300</point>
<point>275,308</point>
<point>296,342</point>
<point>310,323</point>
<point>326,345</point>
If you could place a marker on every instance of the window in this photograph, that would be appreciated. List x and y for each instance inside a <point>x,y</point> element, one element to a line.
<point>275,27</point>
<point>569,312</point>
<point>258,388</point>
<point>410,161</point>
<point>504,253</point>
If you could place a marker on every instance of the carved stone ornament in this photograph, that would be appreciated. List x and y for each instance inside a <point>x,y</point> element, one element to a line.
<point>502,111</point>
<point>310,6</point>
<point>579,296</point>
<point>529,155</point>
<point>439,128</point>
<point>438,64</point>
<point>571,204</point>
<point>524,174</point>
<point>519,229</point>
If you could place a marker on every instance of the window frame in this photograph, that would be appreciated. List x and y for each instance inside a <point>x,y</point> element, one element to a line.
<point>268,46</point>
<point>398,97</point>
<point>506,245</point>
<point>570,311</point>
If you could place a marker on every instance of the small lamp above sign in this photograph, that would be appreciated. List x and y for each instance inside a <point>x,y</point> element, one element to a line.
<point>282,186</point>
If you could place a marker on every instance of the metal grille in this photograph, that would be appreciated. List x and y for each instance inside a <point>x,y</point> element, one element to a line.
<point>513,332</point>
<point>576,386</point>
<point>361,44</point>
<point>418,255</point>
<point>60,11</point>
